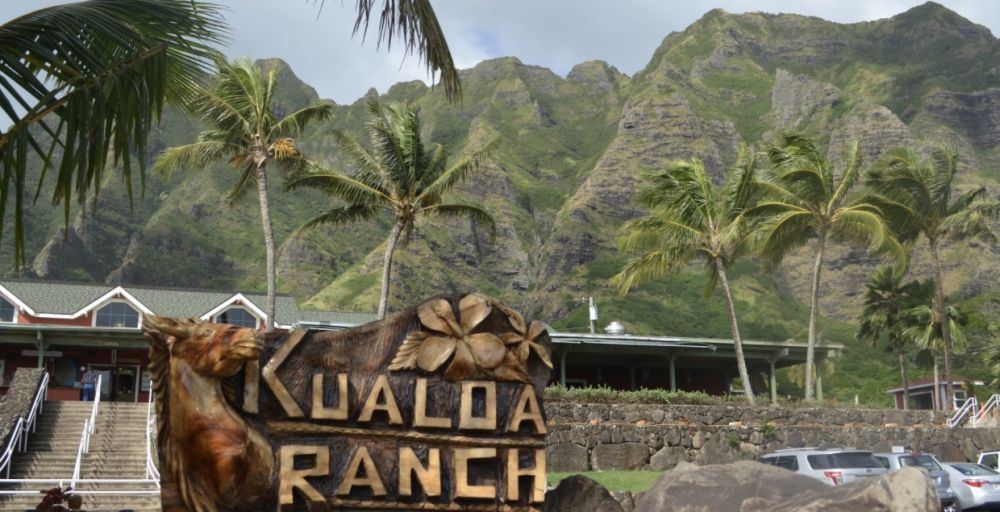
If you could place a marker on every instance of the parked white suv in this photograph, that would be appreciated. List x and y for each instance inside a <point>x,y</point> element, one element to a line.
<point>833,467</point>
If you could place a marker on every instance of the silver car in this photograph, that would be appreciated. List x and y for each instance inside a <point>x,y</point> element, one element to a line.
<point>897,460</point>
<point>832,467</point>
<point>975,485</point>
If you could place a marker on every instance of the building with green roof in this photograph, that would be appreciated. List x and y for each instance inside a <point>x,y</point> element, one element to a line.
<point>65,327</point>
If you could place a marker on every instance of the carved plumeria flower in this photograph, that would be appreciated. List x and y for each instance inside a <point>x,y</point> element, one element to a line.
<point>523,342</point>
<point>470,354</point>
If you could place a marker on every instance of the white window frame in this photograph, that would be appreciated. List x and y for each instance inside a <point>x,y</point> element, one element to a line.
<point>239,300</point>
<point>218,316</point>
<point>96,309</point>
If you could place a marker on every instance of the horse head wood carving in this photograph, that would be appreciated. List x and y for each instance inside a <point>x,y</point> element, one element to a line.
<point>214,460</point>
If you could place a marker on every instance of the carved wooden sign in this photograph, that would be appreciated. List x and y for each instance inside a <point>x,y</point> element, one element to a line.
<point>435,408</point>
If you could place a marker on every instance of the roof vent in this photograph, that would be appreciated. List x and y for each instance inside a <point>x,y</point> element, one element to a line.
<point>615,327</point>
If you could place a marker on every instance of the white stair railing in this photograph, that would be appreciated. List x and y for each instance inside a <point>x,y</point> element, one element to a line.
<point>971,406</point>
<point>19,434</point>
<point>973,412</point>
<point>985,410</point>
<point>152,473</point>
<point>89,426</point>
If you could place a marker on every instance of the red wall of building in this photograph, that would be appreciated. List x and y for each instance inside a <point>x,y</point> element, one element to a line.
<point>82,321</point>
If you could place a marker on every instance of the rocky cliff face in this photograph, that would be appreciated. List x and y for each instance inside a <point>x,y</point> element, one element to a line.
<point>572,152</point>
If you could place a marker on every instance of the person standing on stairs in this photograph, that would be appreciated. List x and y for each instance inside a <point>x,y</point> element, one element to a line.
<point>89,381</point>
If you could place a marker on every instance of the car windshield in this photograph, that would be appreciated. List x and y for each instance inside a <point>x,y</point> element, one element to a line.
<point>974,470</point>
<point>920,461</point>
<point>845,460</point>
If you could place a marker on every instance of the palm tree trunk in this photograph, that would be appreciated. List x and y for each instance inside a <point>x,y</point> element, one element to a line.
<point>937,386</point>
<point>390,247</point>
<point>906,387</point>
<point>813,315</point>
<point>941,312</point>
<point>741,363</point>
<point>265,217</point>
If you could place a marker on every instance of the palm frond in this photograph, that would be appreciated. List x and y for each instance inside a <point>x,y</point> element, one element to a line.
<point>456,210</point>
<point>293,124</point>
<point>742,189</point>
<point>192,156</point>
<point>389,142</point>
<point>850,176</point>
<point>660,229</point>
<point>969,223</point>
<point>340,217</point>
<point>367,168</point>
<point>649,267</point>
<point>467,162</point>
<point>901,176</point>
<point>415,23</point>
<point>245,183</point>
<point>864,223</point>
<point>966,200</point>
<point>103,69</point>
<point>799,167</point>
<point>782,232</point>
<point>944,165</point>
<point>900,217</point>
<point>684,191</point>
<point>339,185</point>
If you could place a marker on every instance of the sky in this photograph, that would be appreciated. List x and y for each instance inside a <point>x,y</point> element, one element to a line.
<point>556,34</point>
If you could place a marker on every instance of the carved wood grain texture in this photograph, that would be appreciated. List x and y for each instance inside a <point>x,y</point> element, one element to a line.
<point>363,355</point>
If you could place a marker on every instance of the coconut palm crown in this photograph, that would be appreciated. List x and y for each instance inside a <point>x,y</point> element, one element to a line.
<point>918,197</point>
<point>244,131</point>
<point>400,175</point>
<point>810,201</point>
<point>883,315</point>
<point>690,219</point>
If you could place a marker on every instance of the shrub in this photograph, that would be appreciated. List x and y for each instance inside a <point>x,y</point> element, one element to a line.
<point>606,395</point>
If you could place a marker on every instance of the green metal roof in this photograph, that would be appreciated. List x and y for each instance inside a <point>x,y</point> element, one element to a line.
<point>338,317</point>
<point>61,298</point>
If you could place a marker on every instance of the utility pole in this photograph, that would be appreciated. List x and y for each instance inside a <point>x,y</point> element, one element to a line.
<point>592,313</point>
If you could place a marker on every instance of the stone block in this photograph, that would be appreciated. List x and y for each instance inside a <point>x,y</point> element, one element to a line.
<point>620,456</point>
<point>566,457</point>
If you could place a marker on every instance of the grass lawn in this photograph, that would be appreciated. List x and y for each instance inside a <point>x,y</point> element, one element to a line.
<point>614,480</point>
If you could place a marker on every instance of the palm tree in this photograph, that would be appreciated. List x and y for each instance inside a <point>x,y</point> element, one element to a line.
<point>82,83</point>
<point>690,219</point>
<point>810,202</point>
<point>886,300</point>
<point>927,332</point>
<point>400,175</point>
<point>916,195</point>
<point>244,131</point>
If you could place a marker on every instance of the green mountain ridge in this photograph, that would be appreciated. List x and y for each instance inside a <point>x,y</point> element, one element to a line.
<point>572,151</point>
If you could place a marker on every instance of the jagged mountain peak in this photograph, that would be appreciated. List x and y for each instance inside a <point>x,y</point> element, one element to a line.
<point>293,92</point>
<point>936,17</point>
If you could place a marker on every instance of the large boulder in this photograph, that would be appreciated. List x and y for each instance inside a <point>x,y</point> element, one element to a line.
<point>580,494</point>
<point>753,487</point>
<point>908,489</point>
<point>690,488</point>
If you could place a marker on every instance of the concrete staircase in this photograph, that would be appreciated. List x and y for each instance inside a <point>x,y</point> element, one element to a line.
<point>117,451</point>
